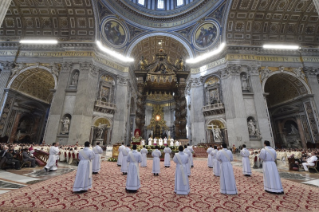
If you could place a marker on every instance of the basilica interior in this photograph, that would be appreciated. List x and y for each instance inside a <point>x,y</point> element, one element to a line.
<point>202,71</point>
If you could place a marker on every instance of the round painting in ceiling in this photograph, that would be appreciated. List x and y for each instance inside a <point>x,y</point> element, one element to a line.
<point>114,32</point>
<point>205,35</point>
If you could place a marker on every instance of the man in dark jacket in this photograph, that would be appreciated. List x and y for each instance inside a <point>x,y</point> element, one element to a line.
<point>27,157</point>
<point>11,159</point>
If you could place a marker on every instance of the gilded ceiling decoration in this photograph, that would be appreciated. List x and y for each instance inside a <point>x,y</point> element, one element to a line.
<point>63,19</point>
<point>158,97</point>
<point>36,83</point>
<point>255,22</point>
<point>283,87</point>
<point>212,80</point>
<point>150,46</point>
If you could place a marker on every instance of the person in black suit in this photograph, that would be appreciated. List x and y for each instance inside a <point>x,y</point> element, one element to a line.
<point>27,157</point>
<point>11,159</point>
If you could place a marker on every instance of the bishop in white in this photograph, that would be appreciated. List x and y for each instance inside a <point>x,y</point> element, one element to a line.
<point>83,178</point>
<point>245,161</point>
<point>272,182</point>
<point>181,179</point>
<point>133,177</point>
<point>227,178</point>
<point>96,167</point>
<point>167,157</point>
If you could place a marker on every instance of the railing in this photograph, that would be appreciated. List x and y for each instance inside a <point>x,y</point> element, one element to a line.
<point>104,107</point>
<point>214,109</point>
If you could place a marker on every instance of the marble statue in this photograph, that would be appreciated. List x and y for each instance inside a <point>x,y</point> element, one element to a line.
<point>244,82</point>
<point>265,73</point>
<point>143,63</point>
<point>251,128</point>
<point>179,63</point>
<point>99,132</point>
<point>65,125</point>
<point>217,134</point>
<point>75,78</point>
<point>294,130</point>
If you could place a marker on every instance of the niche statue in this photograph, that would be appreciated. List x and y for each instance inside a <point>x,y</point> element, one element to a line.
<point>75,79</point>
<point>65,125</point>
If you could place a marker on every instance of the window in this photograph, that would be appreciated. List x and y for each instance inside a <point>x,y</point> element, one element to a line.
<point>160,4</point>
<point>142,2</point>
<point>180,2</point>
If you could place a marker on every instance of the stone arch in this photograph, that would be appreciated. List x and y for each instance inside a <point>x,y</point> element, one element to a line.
<point>221,123</point>
<point>99,119</point>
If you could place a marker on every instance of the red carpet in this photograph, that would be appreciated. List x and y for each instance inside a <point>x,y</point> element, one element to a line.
<point>157,193</point>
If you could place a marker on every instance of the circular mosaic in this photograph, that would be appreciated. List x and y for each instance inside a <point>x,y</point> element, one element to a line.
<point>205,35</point>
<point>114,33</point>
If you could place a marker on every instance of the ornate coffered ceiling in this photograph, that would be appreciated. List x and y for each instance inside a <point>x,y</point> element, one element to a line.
<point>67,20</point>
<point>36,83</point>
<point>283,87</point>
<point>150,46</point>
<point>255,22</point>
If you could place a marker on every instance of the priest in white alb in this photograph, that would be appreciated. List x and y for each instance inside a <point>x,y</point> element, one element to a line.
<point>188,165</point>
<point>181,179</point>
<point>210,159</point>
<point>150,141</point>
<point>176,143</point>
<point>227,178</point>
<point>165,141</point>
<point>156,169</point>
<point>160,142</point>
<point>272,182</point>
<point>190,148</point>
<point>245,161</point>
<point>167,157</point>
<point>98,151</point>
<point>53,157</point>
<point>216,164</point>
<point>83,178</point>
<point>155,141</point>
<point>124,165</point>
<point>171,142</point>
<point>120,156</point>
<point>133,177</point>
<point>144,157</point>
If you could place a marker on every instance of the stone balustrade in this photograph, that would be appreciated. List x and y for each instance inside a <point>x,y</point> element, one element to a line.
<point>104,107</point>
<point>214,109</point>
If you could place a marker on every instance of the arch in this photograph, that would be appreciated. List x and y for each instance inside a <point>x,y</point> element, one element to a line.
<point>32,67</point>
<point>288,73</point>
<point>219,120</point>
<point>103,120</point>
<point>182,41</point>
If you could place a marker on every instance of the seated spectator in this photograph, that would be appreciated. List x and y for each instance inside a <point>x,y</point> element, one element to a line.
<point>27,157</point>
<point>310,161</point>
<point>11,159</point>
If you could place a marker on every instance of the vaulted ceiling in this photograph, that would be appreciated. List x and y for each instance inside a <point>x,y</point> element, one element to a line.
<point>255,22</point>
<point>66,20</point>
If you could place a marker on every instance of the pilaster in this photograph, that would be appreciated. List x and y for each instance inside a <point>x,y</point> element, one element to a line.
<point>4,75</point>
<point>313,82</point>
<point>4,6</point>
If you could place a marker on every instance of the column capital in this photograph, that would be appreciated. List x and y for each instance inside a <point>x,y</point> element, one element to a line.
<point>7,66</point>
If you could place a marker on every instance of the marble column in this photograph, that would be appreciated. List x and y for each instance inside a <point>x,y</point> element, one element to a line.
<point>196,111</point>
<point>4,76</point>
<point>316,3</point>
<point>301,133</point>
<point>56,109</point>
<point>264,125</point>
<point>81,122</point>
<point>4,6</point>
<point>15,127</point>
<point>236,117</point>
<point>314,84</point>
<point>120,116</point>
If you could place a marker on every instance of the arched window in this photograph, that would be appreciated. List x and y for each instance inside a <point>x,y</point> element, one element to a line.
<point>160,4</point>
<point>142,2</point>
<point>179,2</point>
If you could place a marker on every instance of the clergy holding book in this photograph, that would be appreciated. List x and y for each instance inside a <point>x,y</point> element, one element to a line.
<point>272,182</point>
<point>83,178</point>
<point>181,179</point>
<point>133,177</point>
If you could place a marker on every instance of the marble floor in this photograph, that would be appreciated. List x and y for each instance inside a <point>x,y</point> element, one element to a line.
<point>15,179</point>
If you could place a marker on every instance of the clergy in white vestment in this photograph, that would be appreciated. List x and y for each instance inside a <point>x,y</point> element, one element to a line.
<point>144,156</point>
<point>181,179</point>
<point>142,142</point>
<point>310,161</point>
<point>167,157</point>
<point>155,141</point>
<point>120,156</point>
<point>165,141</point>
<point>53,157</point>
<point>216,164</point>
<point>156,161</point>
<point>171,142</point>
<point>83,178</point>
<point>150,141</point>
<point>124,165</point>
<point>210,159</point>
<point>160,142</point>
<point>245,161</point>
<point>272,182</point>
<point>227,178</point>
<point>188,165</point>
<point>190,148</point>
<point>133,177</point>
<point>96,163</point>
<point>176,143</point>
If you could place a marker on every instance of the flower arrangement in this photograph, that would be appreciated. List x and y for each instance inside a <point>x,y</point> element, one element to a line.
<point>112,160</point>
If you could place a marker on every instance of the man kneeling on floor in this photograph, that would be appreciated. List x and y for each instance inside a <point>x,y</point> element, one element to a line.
<point>83,178</point>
